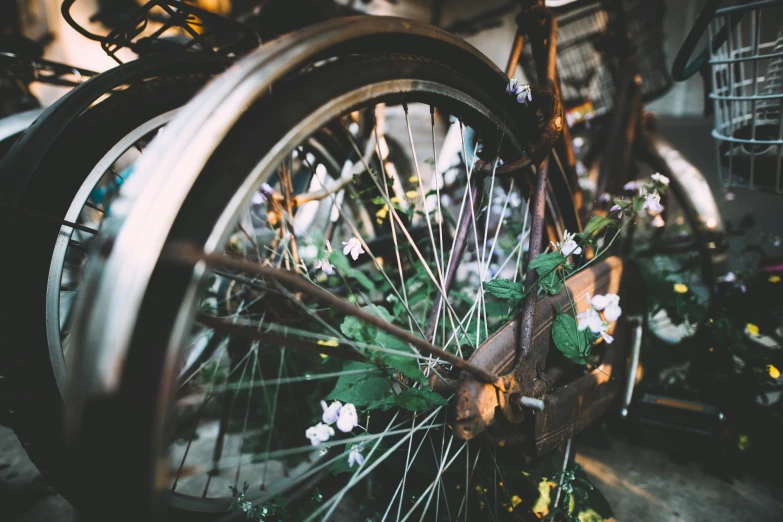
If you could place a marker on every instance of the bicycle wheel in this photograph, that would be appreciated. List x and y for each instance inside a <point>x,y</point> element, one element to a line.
<point>60,207</point>
<point>245,415</point>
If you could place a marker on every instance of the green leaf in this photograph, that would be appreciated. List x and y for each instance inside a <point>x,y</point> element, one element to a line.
<point>569,340</point>
<point>505,289</point>
<point>383,403</point>
<point>622,203</point>
<point>361,331</point>
<point>344,267</point>
<point>638,203</point>
<point>408,366</point>
<point>470,330</point>
<point>598,223</point>
<point>545,265</point>
<point>356,329</point>
<point>551,283</point>
<point>419,400</point>
<point>596,503</point>
<point>360,388</point>
<point>546,262</point>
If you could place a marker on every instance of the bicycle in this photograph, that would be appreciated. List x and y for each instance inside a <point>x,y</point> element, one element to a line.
<point>57,181</point>
<point>21,64</point>
<point>57,184</point>
<point>164,296</point>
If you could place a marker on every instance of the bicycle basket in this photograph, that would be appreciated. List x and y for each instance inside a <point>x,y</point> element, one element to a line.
<point>584,58</point>
<point>747,90</point>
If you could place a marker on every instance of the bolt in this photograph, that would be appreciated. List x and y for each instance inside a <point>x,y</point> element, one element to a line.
<point>530,402</point>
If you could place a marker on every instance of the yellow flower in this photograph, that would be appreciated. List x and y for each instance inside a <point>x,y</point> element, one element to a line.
<point>411,194</point>
<point>774,279</point>
<point>743,442</point>
<point>712,348</point>
<point>413,179</point>
<point>329,342</point>
<point>515,500</point>
<point>680,288</point>
<point>773,372</point>
<point>752,330</point>
<point>382,213</point>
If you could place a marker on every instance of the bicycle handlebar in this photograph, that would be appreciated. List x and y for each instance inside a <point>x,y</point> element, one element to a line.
<point>682,69</point>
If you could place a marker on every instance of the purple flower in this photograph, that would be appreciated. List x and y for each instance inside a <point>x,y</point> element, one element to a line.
<point>355,455</point>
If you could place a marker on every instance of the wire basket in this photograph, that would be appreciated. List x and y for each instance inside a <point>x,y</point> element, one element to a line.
<point>585,60</point>
<point>747,91</point>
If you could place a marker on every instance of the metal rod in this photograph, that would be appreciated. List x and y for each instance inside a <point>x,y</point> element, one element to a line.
<point>565,465</point>
<point>460,242</point>
<point>190,254</point>
<point>516,52</point>
<point>530,402</point>
<point>636,346</point>
<point>534,249</point>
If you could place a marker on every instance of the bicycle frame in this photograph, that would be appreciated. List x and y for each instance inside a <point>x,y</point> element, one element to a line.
<point>591,395</point>
<point>233,36</point>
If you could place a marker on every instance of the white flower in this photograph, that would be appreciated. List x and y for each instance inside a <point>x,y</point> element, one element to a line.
<point>568,246</point>
<point>599,302</point>
<point>728,278</point>
<point>658,221</point>
<point>331,412</point>
<point>354,247</point>
<point>608,338</point>
<point>325,265</point>
<point>524,94</point>
<point>652,203</point>
<point>660,178</point>
<point>590,318</point>
<point>609,303</point>
<point>348,419</point>
<point>319,433</point>
<point>633,185</point>
<point>511,88</point>
<point>355,455</point>
<point>612,312</point>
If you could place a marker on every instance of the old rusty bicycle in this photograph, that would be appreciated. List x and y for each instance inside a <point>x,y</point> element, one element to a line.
<point>266,238</point>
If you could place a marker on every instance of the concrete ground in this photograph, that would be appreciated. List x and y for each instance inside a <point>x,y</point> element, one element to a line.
<point>649,485</point>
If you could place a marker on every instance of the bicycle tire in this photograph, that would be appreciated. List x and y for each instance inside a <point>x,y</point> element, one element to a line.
<point>130,410</point>
<point>33,394</point>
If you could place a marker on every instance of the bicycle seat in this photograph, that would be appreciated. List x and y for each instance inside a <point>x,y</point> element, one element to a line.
<point>20,46</point>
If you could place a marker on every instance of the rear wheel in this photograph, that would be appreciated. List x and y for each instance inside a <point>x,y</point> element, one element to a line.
<point>80,173</point>
<point>303,182</point>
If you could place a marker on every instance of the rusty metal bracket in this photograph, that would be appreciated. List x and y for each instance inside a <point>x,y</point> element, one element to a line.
<point>479,406</point>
